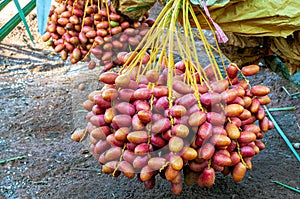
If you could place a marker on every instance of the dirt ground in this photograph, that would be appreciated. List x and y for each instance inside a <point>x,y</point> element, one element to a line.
<point>40,107</point>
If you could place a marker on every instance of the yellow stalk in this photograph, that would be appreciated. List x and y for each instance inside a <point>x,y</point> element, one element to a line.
<point>98,5</point>
<point>240,154</point>
<point>150,125</point>
<point>206,46</point>
<point>93,45</point>
<point>138,72</point>
<point>108,19</point>
<point>84,13</point>
<point>152,33</point>
<point>215,39</point>
<point>171,30</point>
<point>245,78</point>
<point>74,4</point>
<point>120,159</point>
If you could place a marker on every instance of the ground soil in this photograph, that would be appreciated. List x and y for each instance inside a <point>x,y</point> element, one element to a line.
<point>40,107</point>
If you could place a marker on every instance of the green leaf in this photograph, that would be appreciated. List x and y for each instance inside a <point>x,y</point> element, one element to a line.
<point>195,2</point>
<point>11,24</point>
<point>136,8</point>
<point>209,2</point>
<point>21,13</point>
<point>4,3</point>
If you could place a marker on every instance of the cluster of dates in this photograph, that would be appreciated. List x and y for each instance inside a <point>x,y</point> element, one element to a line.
<point>78,28</point>
<point>136,129</point>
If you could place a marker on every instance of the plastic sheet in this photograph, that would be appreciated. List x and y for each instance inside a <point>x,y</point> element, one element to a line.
<point>278,18</point>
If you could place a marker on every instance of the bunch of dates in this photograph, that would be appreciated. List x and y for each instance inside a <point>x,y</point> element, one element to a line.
<point>78,28</point>
<point>136,129</point>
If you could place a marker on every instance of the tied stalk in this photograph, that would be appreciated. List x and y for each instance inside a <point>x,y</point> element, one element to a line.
<point>167,36</point>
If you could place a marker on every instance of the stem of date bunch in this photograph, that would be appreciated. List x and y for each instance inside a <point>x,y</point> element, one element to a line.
<point>281,133</point>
